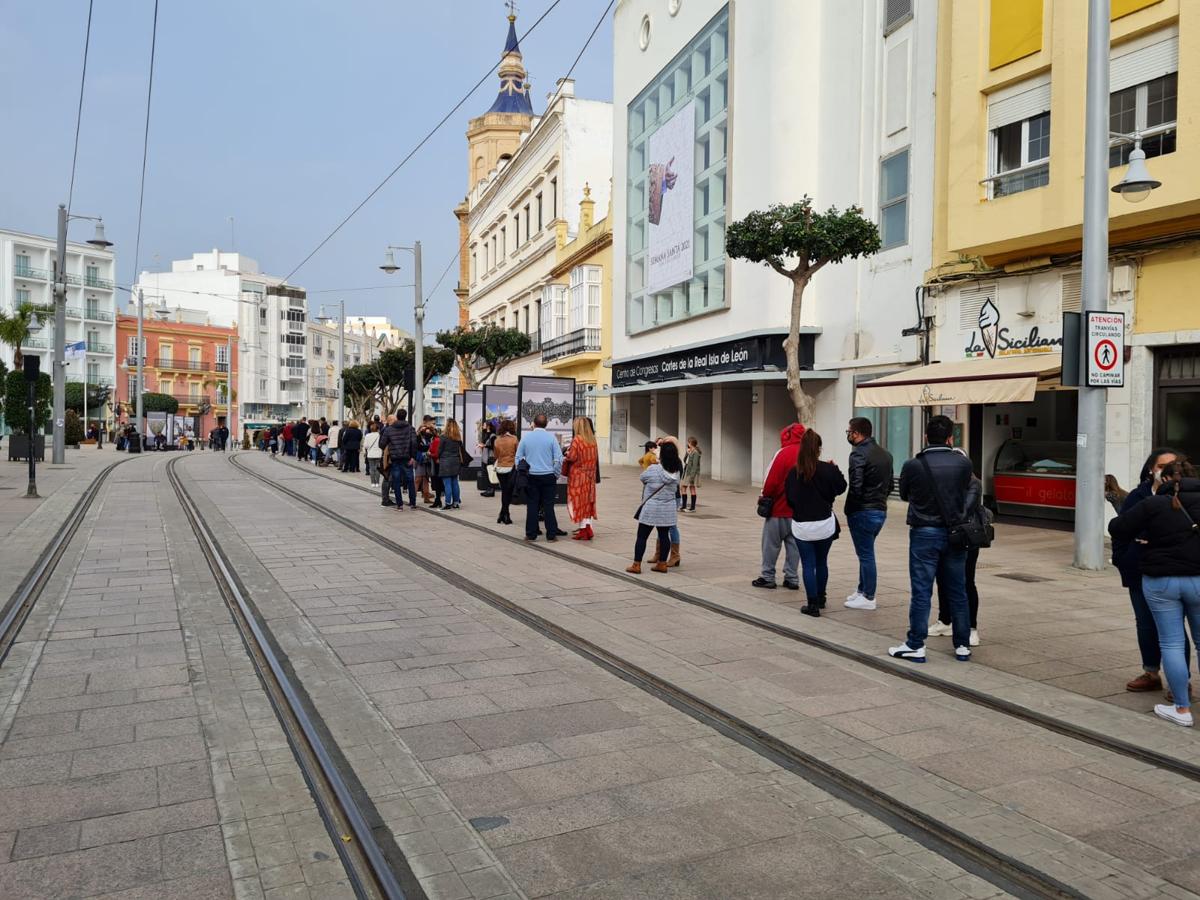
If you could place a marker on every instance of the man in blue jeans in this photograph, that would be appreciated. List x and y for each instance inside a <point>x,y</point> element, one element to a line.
<point>400,441</point>
<point>539,448</point>
<point>866,505</point>
<point>951,488</point>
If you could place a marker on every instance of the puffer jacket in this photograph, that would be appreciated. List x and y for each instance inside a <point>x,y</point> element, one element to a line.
<point>1172,542</point>
<point>775,484</point>
<point>870,477</point>
<point>953,481</point>
<point>661,508</point>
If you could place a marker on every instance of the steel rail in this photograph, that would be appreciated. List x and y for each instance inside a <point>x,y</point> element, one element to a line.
<point>975,856</point>
<point>905,671</point>
<point>22,601</point>
<point>364,861</point>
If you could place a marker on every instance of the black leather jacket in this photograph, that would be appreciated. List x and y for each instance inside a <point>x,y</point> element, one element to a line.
<point>953,481</point>
<point>870,477</point>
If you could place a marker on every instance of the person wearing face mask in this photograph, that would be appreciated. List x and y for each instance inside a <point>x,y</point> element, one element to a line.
<point>1170,568</point>
<point>1127,557</point>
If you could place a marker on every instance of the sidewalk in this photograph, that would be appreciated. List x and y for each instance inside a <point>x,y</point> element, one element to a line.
<point>1039,618</point>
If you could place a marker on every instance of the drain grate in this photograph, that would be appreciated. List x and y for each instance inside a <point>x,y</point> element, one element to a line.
<point>1028,579</point>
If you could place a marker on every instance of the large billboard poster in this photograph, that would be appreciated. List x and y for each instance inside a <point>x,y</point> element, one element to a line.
<point>555,397</point>
<point>499,403</point>
<point>670,183</point>
<point>472,423</point>
<point>458,408</point>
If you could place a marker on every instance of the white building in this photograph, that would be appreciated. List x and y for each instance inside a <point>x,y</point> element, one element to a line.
<point>379,328</point>
<point>439,397</point>
<point>704,357</point>
<point>270,317</point>
<point>525,174</point>
<point>27,266</point>
<point>325,345</point>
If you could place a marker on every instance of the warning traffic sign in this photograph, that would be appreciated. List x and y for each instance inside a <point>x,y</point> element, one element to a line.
<point>1106,348</point>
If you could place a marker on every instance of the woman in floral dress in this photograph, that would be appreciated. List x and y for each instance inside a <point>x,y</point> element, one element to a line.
<point>580,463</point>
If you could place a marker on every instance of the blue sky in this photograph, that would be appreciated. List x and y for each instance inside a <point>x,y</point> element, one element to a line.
<point>281,113</point>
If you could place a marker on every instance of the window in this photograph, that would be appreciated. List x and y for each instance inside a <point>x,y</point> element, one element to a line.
<point>495,258</point>
<point>585,297</point>
<point>539,212</point>
<point>194,390</point>
<point>474,266</point>
<point>93,341</point>
<point>131,387</point>
<point>526,221</point>
<point>262,316</point>
<point>585,399</point>
<point>222,354</point>
<point>554,311</point>
<point>553,199</point>
<point>893,199</point>
<point>503,243</point>
<point>23,265</point>
<point>132,351</point>
<point>23,296</point>
<point>91,308</point>
<point>262,385</point>
<point>517,229</point>
<point>93,274</point>
<point>165,387</point>
<point>165,352</point>
<point>699,73</point>
<point>1149,109</point>
<point>194,356</point>
<point>93,372</point>
<point>895,14</point>
<point>1019,122</point>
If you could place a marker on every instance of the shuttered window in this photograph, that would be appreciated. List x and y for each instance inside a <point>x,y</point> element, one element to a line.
<point>1072,292</point>
<point>970,302</point>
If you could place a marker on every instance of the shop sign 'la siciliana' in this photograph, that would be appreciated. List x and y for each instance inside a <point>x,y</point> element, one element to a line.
<point>995,339</point>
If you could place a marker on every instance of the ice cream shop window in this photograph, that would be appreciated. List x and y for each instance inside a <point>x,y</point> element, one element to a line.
<point>676,155</point>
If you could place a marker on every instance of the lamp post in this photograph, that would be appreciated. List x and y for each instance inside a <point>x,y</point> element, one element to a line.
<point>58,373</point>
<point>1135,187</point>
<point>34,327</point>
<point>324,319</point>
<point>389,266</point>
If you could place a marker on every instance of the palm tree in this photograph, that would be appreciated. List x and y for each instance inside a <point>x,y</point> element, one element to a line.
<point>14,327</point>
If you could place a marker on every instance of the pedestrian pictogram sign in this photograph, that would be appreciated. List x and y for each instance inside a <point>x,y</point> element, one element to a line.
<point>1105,348</point>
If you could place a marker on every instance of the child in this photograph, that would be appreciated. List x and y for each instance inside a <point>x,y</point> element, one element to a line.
<point>691,474</point>
<point>651,456</point>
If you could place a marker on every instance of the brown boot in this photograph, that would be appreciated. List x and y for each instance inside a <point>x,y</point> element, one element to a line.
<point>653,556</point>
<point>659,567</point>
<point>673,560</point>
<point>1147,681</point>
<point>634,568</point>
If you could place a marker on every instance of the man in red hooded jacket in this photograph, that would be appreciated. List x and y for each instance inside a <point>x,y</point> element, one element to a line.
<point>777,530</point>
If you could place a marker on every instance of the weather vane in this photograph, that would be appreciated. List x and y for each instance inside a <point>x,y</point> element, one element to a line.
<point>512,8</point>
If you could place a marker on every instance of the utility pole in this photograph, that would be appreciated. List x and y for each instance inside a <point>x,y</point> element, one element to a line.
<point>141,371</point>
<point>418,340</point>
<point>1090,441</point>
<point>229,385</point>
<point>342,363</point>
<point>59,374</point>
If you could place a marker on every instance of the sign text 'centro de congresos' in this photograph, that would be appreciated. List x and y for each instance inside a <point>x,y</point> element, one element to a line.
<point>752,354</point>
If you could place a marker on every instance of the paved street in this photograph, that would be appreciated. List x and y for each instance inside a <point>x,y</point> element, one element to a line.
<point>140,756</point>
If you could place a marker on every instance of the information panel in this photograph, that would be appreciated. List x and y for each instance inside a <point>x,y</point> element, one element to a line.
<point>458,408</point>
<point>1105,348</point>
<point>552,397</point>
<point>472,424</point>
<point>500,402</point>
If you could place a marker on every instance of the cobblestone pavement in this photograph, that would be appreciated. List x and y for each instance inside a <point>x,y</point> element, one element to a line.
<point>138,755</point>
<point>1107,825</point>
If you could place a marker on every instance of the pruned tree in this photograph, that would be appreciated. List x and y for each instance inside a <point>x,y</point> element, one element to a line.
<point>384,382</point>
<point>361,384</point>
<point>97,396</point>
<point>484,351</point>
<point>16,402</point>
<point>152,402</point>
<point>797,242</point>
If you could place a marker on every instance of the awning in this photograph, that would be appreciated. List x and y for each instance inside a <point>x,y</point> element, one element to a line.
<point>1010,379</point>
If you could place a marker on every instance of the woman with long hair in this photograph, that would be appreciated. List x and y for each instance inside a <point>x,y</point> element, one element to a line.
<point>505,448</point>
<point>811,488</point>
<point>449,460</point>
<point>1127,557</point>
<point>1170,565</point>
<point>580,462</point>
<point>659,510</point>
<point>373,452</point>
<point>691,474</point>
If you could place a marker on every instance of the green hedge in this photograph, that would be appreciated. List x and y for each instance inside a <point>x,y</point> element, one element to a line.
<point>16,399</point>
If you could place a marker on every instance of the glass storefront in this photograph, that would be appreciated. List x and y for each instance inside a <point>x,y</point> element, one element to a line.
<point>701,73</point>
<point>1177,399</point>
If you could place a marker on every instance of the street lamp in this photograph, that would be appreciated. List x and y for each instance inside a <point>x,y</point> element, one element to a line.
<point>1137,183</point>
<point>324,320</point>
<point>58,373</point>
<point>34,326</point>
<point>389,266</point>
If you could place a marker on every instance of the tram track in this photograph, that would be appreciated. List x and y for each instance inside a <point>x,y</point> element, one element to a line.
<point>904,671</point>
<point>27,593</point>
<point>968,852</point>
<point>371,873</point>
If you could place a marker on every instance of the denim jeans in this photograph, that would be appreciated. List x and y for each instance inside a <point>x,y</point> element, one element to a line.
<point>865,526</point>
<point>1147,631</point>
<point>402,477</point>
<point>539,494</point>
<point>1172,600</point>
<point>930,556</point>
<point>453,489</point>
<point>814,561</point>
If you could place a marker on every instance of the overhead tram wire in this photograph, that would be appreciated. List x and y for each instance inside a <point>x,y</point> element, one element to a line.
<point>87,40</point>
<point>413,152</point>
<point>137,247</point>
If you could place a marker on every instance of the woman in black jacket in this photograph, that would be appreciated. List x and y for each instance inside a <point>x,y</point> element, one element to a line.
<point>811,488</point>
<point>1170,567</point>
<point>349,442</point>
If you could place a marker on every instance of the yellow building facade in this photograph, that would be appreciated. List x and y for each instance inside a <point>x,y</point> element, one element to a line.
<point>1009,213</point>
<point>583,266</point>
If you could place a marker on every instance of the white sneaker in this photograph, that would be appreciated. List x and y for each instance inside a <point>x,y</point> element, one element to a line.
<point>937,629</point>
<point>974,637</point>
<point>962,654</point>
<point>857,595</point>
<point>906,652</point>
<point>858,601</point>
<point>1171,714</point>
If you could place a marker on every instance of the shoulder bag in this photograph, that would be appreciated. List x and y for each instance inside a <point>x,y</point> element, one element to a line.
<point>975,532</point>
<point>638,512</point>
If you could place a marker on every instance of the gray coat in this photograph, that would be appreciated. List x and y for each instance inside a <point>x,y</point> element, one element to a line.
<point>661,508</point>
<point>449,457</point>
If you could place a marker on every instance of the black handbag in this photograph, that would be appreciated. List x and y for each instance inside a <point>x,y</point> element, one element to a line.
<point>638,512</point>
<point>976,532</point>
<point>765,505</point>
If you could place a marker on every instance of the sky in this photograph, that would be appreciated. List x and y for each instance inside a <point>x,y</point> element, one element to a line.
<point>283,114</point>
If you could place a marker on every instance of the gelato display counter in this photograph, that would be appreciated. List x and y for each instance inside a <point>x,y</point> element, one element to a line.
<point>1035,479</point>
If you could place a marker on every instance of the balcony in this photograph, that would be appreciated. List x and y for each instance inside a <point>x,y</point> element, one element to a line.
<point>97,315</point>
<point>35,344</point>
<point>131,362</point>
<point>96,347</point>
<point>184,365</point>
<point>189,399</point>
<point>97,282</point>
<point>581,340</point>
<point>74,312</point>
<point>535,341</point>
<point>221,367</point>
<point>324,393</point>
<point>97,381</point>
<point>293,371</point>
<point>30,273</point>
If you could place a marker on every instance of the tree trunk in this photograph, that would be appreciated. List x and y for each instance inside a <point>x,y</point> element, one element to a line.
<point>466,371</point>
<point>800,400</point>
